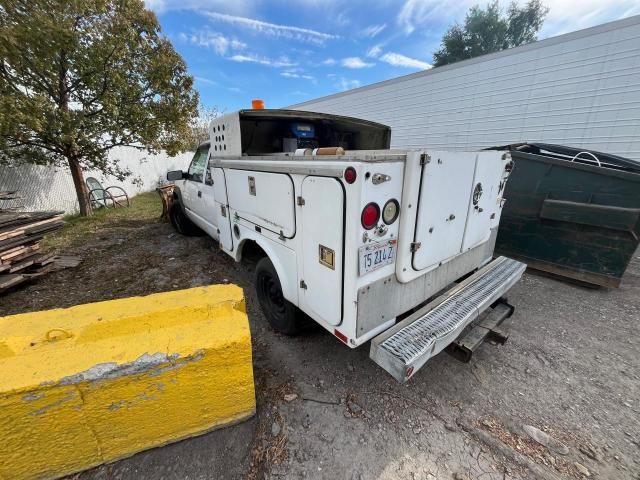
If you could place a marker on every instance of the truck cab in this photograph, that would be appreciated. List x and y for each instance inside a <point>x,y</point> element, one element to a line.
<point>354,234</point>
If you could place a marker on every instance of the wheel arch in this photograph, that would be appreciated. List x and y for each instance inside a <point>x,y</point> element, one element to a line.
<point>285,268</point>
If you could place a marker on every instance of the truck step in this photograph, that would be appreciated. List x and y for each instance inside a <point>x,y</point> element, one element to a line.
<point>487,326</point>
<point>404,348</point>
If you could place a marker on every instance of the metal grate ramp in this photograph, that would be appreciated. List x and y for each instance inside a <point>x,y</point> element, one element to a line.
<point>406,347</point>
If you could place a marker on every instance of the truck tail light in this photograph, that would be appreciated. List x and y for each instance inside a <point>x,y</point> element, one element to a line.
<point>370,215</point>
<point>390,211</point>
<point>350,175</point>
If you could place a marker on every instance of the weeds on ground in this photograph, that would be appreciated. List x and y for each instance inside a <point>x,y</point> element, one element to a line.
<point>144,208</point>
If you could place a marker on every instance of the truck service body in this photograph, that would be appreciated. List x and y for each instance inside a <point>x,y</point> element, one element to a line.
<point>353,234</point>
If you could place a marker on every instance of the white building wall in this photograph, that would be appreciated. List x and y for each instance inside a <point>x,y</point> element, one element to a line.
<point>581,89</point>
<point>51,188</point>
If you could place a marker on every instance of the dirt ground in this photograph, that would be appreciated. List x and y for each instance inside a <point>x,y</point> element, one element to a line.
<point>570,368</point>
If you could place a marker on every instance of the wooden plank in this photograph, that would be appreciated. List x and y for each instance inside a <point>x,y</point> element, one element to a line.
<point>43,259</point>
<point>21,218</point>
<point>39,272</point>
<point>34,226</point>
<point>8,256</point>
<point>67,261</point>
<point>13,249</point>
<point>11,280</point>
<point>42,229</point>
<point>5,245</point>
<point>16,267</point>
<point>27,254</point>
<point>20,254</point>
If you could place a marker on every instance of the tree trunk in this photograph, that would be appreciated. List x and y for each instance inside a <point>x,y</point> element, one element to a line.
<point>82,191</point>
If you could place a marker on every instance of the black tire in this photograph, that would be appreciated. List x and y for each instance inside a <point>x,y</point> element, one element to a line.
<point>281,314</point>
<point>181,222</point>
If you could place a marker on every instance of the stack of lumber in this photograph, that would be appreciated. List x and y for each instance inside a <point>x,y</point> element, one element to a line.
<point>20,255</point>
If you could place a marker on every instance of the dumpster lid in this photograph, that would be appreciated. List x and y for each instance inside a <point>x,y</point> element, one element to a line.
<point>572,154</point>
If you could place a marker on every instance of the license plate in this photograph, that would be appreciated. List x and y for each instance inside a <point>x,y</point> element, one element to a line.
<point>377,255</point>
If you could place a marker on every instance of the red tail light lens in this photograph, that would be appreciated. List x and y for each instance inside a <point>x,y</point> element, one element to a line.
<point>350,175</point>
<point>370,215</point>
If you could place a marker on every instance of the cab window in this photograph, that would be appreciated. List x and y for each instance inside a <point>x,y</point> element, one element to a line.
<point>198,164</point>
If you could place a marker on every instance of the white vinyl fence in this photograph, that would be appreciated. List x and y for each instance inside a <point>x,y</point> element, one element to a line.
<point>50,188</point>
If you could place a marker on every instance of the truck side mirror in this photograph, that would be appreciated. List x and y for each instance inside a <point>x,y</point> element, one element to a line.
<point>175,175</point>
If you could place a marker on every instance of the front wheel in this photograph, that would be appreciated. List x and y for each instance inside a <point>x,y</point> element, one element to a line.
<point>280,313</point>
<point>182,223</point>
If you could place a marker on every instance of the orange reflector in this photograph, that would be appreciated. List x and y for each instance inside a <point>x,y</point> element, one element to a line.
<point>257,104</point>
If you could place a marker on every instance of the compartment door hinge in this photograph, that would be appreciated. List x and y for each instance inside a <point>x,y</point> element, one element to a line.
<point>300,201</point>
<point>424,159</point>
<point>415,246</point>
<point>303,285</point>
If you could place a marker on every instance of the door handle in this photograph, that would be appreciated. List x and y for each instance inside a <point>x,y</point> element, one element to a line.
<point>199,194</point>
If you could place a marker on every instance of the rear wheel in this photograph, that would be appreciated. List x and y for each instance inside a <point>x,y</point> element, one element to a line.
<point>181,222</point>
<point>280,312</point>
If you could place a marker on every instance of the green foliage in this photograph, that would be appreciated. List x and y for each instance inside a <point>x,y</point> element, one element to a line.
<point>490,30</point>
<point>80,77</point>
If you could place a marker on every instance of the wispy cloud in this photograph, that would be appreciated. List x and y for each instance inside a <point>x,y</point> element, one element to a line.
<point>329,61</point>
<point>342,20</point>
<point>570,15</point>
<point>237,6</point>
<point>375,51</point>
<point>373,30</point>
<point>399,60</point>
<point>204,80</point>
<point>564,15</point>
<point>347,84</point>
<point>355,62</point>
<point>273,29</point>
<point>416,13</point>
<point>269,62</point>
<point>297,74</point>
<point>214,40</point>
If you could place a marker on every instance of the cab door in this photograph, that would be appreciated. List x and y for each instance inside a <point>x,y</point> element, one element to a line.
<point>193,185</point>
<point>205,207</point>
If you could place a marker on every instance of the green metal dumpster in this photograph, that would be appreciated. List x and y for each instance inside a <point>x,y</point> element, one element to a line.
<point>571,212</point>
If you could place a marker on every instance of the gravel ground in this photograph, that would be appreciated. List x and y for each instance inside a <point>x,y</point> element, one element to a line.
<point>570,368</point>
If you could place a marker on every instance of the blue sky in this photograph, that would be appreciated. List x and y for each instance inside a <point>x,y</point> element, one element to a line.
<point>288,51</point>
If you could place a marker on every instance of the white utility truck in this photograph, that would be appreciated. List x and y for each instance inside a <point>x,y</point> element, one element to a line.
<point>353,234</point>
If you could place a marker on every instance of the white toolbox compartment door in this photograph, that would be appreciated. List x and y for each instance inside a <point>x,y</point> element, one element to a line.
<point>223,218</point>
<point>443,206</point>
<point>485,198</point>
<point>265,199</point>
<point>322,247</point>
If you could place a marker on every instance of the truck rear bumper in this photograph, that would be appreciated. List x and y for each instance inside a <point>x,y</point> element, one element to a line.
<point>403,349</point>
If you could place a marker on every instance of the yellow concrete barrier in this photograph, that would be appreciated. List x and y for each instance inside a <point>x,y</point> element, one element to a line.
<point>98,382</point>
